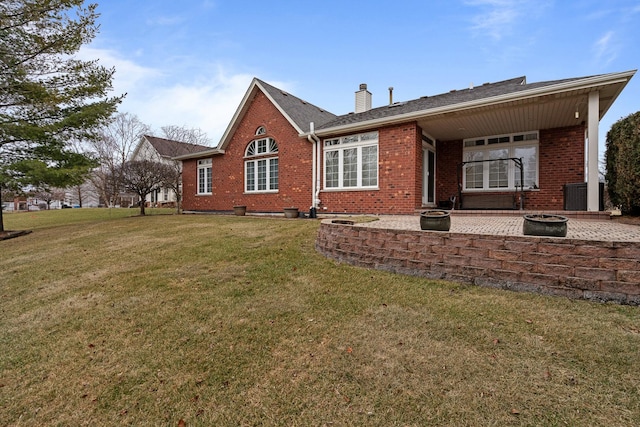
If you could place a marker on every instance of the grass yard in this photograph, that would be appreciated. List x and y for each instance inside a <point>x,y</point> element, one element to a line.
<point>112,319</point>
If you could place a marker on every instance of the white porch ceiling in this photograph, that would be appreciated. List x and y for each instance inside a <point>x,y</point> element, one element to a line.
<point>535,113</point>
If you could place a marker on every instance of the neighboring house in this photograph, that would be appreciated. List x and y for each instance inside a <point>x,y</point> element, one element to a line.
<point>163,150</point>
<point>84,195</point>
<point>281,151</point>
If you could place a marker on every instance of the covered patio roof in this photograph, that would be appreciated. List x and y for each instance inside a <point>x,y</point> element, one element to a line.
<point>493,108</point>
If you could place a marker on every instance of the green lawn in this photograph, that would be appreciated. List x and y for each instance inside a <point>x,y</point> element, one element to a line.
<point>107,318</point>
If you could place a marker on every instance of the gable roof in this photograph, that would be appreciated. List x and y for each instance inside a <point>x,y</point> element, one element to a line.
<point>171,148</point>
<point>299,113</point>
<point>564,94</point>
<point>506,106</point>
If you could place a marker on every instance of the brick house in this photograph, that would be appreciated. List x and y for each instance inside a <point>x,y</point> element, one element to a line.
<point>504,145</point>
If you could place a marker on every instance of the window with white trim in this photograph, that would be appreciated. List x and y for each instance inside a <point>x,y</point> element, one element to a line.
<point>261,166</point>
<point>204,176</point>
<point>351,161</point>
<point>488,168</point>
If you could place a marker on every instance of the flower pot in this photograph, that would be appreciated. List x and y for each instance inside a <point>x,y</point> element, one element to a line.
<point>545,225</point>
<point>239,210</point>
<point>291,213</point>
<point>435,220</point>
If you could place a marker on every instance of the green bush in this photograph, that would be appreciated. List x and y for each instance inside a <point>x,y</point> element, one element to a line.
<point>622,159</point>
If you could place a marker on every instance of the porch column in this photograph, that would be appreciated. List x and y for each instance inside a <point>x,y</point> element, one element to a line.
<point>593,186</point>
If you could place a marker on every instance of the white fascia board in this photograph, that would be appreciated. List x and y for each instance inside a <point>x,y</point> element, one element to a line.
<point>199,154</point>
<point>284,113</point>
<point>242,108</point>
<point>585,83</point>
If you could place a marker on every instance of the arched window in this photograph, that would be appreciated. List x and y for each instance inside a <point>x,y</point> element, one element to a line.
<point>261,166</point>
<point>261,130</point>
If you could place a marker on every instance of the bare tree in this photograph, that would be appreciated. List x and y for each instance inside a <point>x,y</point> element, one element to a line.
<point>112,150</point>
<point>195,137</point>
<point>173,181</point>
<point>48,195</point>
<point>144,176</point>
<point>183,134</point>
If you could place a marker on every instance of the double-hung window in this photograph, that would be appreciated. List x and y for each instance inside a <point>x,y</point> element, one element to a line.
<point>204,176</point>
<point>351,162</point>
<point>261,166</point>
<point>488,164</point>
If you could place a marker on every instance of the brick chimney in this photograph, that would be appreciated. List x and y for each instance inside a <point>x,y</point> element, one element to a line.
<point>363,99</point>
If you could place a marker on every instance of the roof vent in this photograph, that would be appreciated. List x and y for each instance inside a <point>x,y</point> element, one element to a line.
<point>397,104</point>
<point>363,99</point>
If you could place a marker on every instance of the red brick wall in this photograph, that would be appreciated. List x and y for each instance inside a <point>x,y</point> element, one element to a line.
<point>448,157</point>
<point>399,170</point>
<point>561,162</point>
<point>399,177</point>
<point>295,156</point>
<point>190,186</point>
<point>601,271</point>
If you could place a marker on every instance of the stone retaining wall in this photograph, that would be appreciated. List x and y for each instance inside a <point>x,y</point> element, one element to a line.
<point>592,270</point>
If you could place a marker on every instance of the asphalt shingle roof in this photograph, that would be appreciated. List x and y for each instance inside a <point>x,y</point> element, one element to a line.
<point>425,103</point>
<point>171,148</point>
<point>300,111</point>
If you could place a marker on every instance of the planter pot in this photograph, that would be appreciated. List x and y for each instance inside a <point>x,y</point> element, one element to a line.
<point>545,225</point>
<point>435,220</point>
<point>239,210</point>
<point>291,213</point>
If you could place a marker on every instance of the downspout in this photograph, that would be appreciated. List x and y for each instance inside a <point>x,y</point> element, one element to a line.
<point>312,137</point>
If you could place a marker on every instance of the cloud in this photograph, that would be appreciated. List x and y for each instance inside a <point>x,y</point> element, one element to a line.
<point>208,105</point>
<point>128,76</point>
<point>605,50</point>
<point>498,17</point>
<point>198,95</point>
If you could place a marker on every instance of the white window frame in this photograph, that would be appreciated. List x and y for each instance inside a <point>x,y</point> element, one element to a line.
<point>260,154</point>
<point>204,177</point>
<point>482,147</point>
<point>348,144</point>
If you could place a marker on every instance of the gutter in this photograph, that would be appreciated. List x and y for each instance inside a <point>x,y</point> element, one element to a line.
<point>199,154</point>
<point>315,175</point>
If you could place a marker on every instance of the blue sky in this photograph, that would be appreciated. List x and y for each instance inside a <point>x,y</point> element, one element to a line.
<point>189,62</point>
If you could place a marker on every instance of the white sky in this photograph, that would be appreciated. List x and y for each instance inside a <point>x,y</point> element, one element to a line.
<point>189,62</point>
